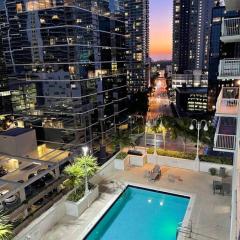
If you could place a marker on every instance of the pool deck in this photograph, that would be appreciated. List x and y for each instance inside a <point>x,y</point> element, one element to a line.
<point>210,215</point>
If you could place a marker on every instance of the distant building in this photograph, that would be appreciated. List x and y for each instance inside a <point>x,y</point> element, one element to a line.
<point>191,31</point>
<point>190,79</point>
<point>137,19</point>
<point>192,101</point>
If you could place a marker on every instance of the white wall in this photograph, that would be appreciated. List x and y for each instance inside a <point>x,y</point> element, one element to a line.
<point>185,163</point>
<point>40,226</point>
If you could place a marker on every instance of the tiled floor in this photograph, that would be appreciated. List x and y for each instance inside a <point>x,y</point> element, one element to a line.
<point>210,214</point>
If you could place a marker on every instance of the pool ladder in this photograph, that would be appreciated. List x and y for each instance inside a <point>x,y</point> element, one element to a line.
<point>186,230</point>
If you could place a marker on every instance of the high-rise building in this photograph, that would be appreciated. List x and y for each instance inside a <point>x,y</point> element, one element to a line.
<point>5,94</point>
<point>191,30</point>
<point>227,108</point>
<point>66,62</point>
<point>137,20</point>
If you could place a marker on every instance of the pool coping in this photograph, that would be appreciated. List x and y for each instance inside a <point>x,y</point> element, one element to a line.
<point>186,219</point>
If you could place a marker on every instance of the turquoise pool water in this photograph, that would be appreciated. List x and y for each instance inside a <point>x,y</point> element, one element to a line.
<point>141,214</point>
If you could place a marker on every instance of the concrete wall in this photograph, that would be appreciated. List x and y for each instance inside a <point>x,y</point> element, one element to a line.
<point>185,163</point>
<point>40,226</point>
<point>20,145</point>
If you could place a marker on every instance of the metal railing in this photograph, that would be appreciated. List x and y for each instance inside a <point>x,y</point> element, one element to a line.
<point>229,68</point>
<point>223,141</point>
<point>231,27</point>
<point>228,101</point>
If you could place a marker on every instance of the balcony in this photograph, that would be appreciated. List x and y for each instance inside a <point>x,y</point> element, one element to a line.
<point>232,5</point>
<point>229,69</point>
<point>230,30</point>
<point>228,102</point>
<point>225,137</point>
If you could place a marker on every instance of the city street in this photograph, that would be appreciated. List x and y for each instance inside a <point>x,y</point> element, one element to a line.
<point>159,103</point>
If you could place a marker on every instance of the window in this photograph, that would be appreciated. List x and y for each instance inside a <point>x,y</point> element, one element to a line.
<point>19,7</point>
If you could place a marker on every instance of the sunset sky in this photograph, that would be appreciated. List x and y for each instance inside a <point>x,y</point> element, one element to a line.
<point>161,29</point>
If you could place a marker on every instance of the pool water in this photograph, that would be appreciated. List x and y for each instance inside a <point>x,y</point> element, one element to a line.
<point>141,214</point>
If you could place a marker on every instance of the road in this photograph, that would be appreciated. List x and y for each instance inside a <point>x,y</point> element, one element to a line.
<point>159,103</point>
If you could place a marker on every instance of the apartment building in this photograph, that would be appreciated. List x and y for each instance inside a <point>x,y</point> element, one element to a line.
<point>137,27</point>
<point>228,107</point>
<point>191,31</point>
<point>66,62</point>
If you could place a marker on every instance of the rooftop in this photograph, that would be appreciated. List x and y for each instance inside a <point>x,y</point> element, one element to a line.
<point>210,213</point>
<point>15,132</point>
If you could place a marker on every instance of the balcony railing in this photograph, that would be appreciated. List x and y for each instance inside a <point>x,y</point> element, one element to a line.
<point>225,142</point>
<point>229,68</point>
<point>228,101</point>
<point>231,30</point>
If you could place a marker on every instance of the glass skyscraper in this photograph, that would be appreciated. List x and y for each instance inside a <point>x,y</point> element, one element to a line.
<point>66,62</point>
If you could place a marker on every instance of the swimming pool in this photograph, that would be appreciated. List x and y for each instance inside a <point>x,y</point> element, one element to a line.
<point>141,214</point>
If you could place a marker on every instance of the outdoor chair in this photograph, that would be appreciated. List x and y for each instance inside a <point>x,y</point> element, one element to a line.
<point>222,172</point>
<point>155,173</point>
<point>226,188</point>
<point>217,186</point>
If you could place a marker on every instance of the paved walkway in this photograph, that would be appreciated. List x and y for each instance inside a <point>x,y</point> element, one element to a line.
<point>210,214</point>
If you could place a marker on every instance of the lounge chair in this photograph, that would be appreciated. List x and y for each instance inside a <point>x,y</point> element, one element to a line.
<point>154,176</point>
<point>155,173</point>
<point>157,169</point>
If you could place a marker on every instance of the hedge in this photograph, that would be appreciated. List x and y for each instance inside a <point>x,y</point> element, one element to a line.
<point>191,156</point>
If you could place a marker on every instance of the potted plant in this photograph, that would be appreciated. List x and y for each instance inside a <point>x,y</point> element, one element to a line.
<point>82,195</point>
<point>120,161</point>
<point>213,171</point>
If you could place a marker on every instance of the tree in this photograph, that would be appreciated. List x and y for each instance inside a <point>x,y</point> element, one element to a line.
<point>122,140</point>
<point>5,227</point>
<point>77,171</point>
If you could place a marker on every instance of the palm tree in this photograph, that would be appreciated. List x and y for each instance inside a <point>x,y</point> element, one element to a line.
<point>83,166</point>
<point>122,140</point>
<point>5,227</point>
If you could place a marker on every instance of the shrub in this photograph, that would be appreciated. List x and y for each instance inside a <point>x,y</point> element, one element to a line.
<point>176,154</point>
<point>121,155</point>
<point>78,194</point>
<point>212,171</point>
<point>217,159</point>
<point>150,151</point>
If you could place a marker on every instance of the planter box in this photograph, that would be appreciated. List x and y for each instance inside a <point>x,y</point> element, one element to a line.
<point>121,164</point>
<point>171,161</point>
<point>136,160</point>
<point>185,163</point>
<point>75,209</point>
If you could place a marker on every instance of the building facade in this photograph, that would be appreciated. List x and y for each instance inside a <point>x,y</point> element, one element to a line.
<point>5,94</point>
<point>137,20</point>
<point>191,31</point>
<point>227,138</point>
<point>66,62</point>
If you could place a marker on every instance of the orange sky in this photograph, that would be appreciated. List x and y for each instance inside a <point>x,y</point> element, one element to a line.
<point>161,29</point>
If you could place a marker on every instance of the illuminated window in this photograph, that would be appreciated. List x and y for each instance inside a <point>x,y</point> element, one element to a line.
<point>19,7</point>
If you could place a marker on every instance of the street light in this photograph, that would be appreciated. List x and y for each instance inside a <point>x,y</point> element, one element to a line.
<point>198,125</point>
<point>85,151</point>
<point>130,121</point>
